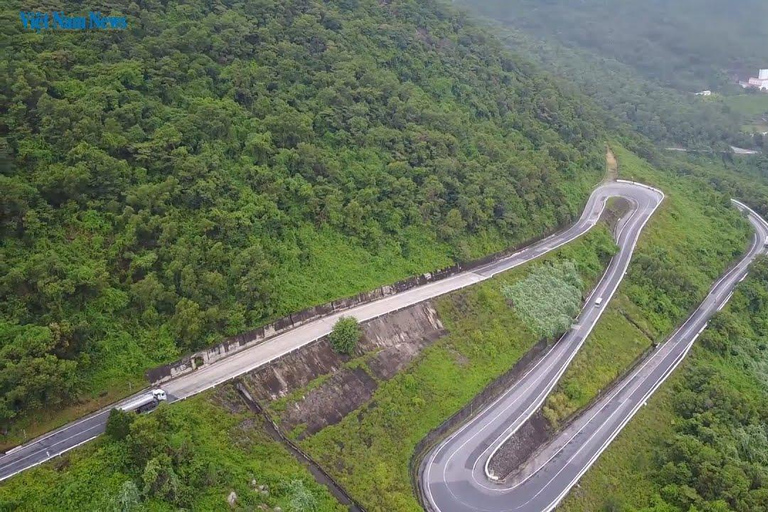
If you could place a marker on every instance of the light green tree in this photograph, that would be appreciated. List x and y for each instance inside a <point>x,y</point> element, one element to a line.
<point>345,335</point>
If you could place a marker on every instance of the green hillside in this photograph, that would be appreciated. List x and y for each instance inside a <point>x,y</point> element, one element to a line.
<point>219,164</point>
<point>642,61</point>
<point>701,443</point>
<point>689,45</point>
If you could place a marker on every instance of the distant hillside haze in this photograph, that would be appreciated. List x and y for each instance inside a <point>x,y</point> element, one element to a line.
<point>642,61</point>
<point>218,164</point>
<point>687,44</point>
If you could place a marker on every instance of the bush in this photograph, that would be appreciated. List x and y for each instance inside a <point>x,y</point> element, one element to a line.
<point>548,299</point>
<point>345,335</point>
<point>119,424</point>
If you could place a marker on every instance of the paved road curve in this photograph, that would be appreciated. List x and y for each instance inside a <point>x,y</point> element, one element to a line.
<point>456,477</point>
<point>74,434</point>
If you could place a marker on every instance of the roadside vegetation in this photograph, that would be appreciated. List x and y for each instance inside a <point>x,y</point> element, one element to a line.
<point>345,335</point>
<point>187,457</point>
<point>701,443</point>
<point>686,246</point>
<point>370,449</point>
<point>548,299</point>
<point>691,240</point>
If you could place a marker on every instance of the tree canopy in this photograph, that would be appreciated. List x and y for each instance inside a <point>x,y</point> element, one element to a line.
<point>219,164</point>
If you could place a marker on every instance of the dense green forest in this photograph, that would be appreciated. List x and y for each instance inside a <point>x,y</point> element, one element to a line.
<point>641,61</point>
<point>221,163</point>
<point>702,441</point>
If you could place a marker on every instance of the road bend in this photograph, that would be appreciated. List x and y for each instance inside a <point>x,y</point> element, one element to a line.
<point>456,475</point>
<point>644,200</point>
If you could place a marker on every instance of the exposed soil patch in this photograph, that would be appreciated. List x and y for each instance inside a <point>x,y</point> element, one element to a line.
<point>616,208</point>
<point>389,361</point>
<point>266,424</point>
<point>521,446</point>
<point>294,371</point>
<point>330,402</point>
<point>611,165</point>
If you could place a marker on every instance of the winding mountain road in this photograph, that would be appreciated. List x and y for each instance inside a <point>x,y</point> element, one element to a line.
<point>457,476</point>
<point>454,488</point>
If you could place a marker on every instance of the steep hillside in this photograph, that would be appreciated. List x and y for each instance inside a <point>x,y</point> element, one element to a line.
<point>642,61</point>
<point>687,44</point>
<point>217,164</point>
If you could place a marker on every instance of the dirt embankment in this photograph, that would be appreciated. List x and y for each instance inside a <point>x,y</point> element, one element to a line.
<point>522,446</point>
<point>611,165</point>
<point>616,208</point>
<point>389,343</point>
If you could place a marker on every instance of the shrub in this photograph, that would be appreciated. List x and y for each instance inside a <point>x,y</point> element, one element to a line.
<point>548,299</point>
<point>119,424</point>
<point>345,335</point>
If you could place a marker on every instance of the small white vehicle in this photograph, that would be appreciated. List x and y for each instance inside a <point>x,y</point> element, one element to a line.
<point>598,302</point>
<point>146,402</point>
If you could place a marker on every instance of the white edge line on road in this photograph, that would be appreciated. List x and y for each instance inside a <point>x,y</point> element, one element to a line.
<point>530,410</point>
<point>659,382</point>
<point>540,400</point>
<point>50,457</point>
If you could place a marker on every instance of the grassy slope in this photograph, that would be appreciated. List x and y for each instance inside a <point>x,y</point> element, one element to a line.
<point>748,104</point>
<point>369,450</point>
<point>627,476</point>
<point>692,239</point>
<point>228,448</point>
<point>752,107</point>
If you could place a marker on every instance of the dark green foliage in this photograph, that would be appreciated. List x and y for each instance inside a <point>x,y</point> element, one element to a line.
<point>33,369</point>
<point>345,335</point>
<point>186,457</point>
<point>687,44</point>
<point>219,164</point>
<point>119,424</point>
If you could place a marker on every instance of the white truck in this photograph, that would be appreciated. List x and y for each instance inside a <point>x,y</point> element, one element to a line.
<point>145,402</point>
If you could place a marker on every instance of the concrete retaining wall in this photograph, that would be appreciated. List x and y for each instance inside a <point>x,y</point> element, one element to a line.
<point>235,344</point>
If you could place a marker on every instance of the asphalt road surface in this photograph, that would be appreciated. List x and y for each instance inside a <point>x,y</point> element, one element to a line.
<point>455,475</point>
<point>87,428</point>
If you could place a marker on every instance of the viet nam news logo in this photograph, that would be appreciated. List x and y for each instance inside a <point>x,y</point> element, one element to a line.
<point>37,21</point>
